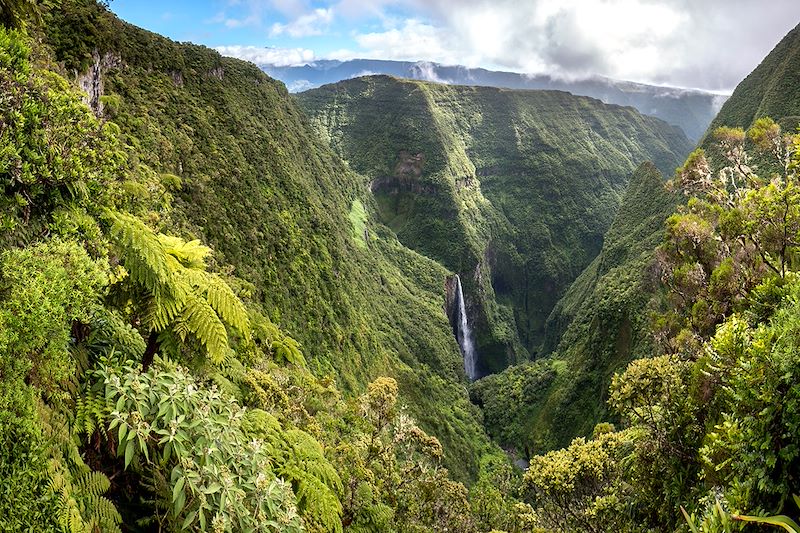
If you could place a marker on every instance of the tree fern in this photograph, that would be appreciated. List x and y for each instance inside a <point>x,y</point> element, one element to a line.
<point>282,347</point>
<point>230,308</point>
<point>191,254</point>
<point>177,295</point>
<point>143,254</point>
<point>300,460</point>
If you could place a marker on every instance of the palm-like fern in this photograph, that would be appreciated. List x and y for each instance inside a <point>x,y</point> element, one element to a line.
<point>180,298</point>
<point>80,504</point>
<point>315,481</point>
<point>299,459</point>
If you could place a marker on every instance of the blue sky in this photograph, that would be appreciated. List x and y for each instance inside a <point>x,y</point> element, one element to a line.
<point>285,25</point>
<point>707,44</point>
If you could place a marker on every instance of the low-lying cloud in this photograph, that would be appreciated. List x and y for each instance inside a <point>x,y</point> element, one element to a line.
<point>709,44</point>
<point>280,57</point>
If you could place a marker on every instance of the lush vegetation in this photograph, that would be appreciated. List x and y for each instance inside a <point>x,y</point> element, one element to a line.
<point>599,325</point>
<point>511,189</point>
<point>249,178</point>
<point>711,424</point>
<point>603,320</point>
<point>148,381</point>
<point>204,326</point>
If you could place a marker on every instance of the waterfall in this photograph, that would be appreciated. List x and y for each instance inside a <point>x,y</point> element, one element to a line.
<point>464,335</point>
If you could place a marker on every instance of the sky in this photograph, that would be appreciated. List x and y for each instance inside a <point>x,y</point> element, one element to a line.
<point>704,44</point>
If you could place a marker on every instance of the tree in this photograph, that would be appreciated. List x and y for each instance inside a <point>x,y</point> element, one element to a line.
<point>738,228</point>
<point>13,13</point>
<point>175,297</point>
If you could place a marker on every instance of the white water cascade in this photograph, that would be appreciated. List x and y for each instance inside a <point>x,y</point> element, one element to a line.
<point>464,335</point>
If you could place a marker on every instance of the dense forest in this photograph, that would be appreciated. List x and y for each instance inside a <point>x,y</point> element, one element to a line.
<point>228,308</point>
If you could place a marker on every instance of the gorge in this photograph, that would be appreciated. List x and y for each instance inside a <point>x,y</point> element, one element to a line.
<point>386,304</point>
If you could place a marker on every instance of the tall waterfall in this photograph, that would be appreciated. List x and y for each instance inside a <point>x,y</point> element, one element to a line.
<point>464,336</point>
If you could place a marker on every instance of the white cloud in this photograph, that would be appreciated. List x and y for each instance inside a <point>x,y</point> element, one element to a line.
<point>299,86</point>
<point>413,40</point>
<point>279,57</point>
<point>710,44</point>
<point>313,23</point>
<point>425,70</point>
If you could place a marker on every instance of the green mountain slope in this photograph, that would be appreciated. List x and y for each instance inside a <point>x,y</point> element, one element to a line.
<point>772,89</point>
<point>603,310</point>
<point>275,202</point>
<point>600,323</point>
<point>511,189</point>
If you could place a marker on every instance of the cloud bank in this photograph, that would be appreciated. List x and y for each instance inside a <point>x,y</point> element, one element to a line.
<point>280,57</point>
<point>710,44</point>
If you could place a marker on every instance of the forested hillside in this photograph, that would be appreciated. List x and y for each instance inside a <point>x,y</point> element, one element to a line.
<point>279,208</point>
<point>511,189</point>
<point>595,329</point>
<point>697,282</point>
<point>603,320</point>
<point>772,90</point>
<point>691,110</point>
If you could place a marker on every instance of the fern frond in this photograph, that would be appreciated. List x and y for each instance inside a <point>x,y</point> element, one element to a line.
<point>170,342</point>
<point>142,253</point>
<point>90,414</point>
<point>227,305</point>
<point>191,254</point>
<point>319,503</point>
<point>103,514</point>
<point>203,322</point>
<point>110,333</point>
<point>93,483</point>
<point>287,349</point>
<point>308,452</point>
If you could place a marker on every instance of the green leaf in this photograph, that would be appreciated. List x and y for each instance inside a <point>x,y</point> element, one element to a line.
<point>780,521</point>
<point>189,520</point>
<point>178,488</point>
<point>129,449</point>
<point>202,516</point>
<point>689,521</point>
<point>211,489</point>
<point>179,504</point>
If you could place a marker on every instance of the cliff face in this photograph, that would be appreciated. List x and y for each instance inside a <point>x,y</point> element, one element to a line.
<point>91,81</point>
<point>511,189</point>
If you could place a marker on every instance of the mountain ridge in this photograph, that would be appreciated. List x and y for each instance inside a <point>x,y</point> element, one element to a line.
<point>690,109</point>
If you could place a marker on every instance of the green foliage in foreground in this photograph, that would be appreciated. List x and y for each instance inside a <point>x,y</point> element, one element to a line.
<point>712,425</point>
